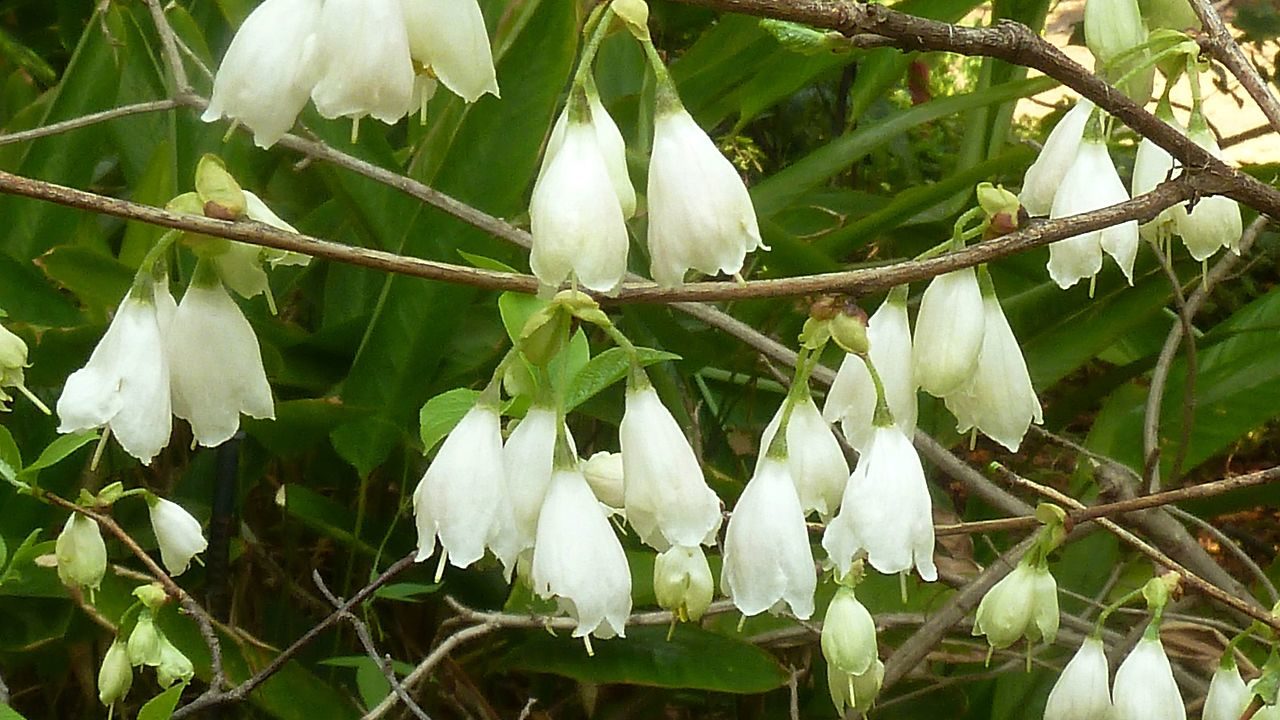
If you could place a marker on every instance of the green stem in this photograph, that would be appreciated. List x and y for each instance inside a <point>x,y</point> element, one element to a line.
<point>592,46</point>
<point>883,416</point>
<point>144,279</point>
<point>805,360</point>
<point>959,231</point>
<point>1106,612</point>
<point>492,393</point>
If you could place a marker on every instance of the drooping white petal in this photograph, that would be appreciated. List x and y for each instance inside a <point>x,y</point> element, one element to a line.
<point>603,471</point>
<point>700,215</point>
<point>886,510</point>
<point>1153,165</point>
<point>578,560</point>
<point>814,456</point>
<point>216,365</point>
<point>1083,689</point>
<point>577,222</point>
<point>527,459</point>
<point>1144,687</point>
<point>177,533</point>
<point>1092,183</point>
<point>450,37</point>
<point>666,496</point>
<point>1228,695</point>
<point>364,63</point>
<point>1213,222</point>
<point>1050,167</point>
<point>463,490</point>
<point>948,333</point>
<point>1000,400</point>
<point>125,384</point>
<point>1023,604</point>
<point>612,146</point>
<point>269,69</point>
<point>767,558</point>
<point>852,398</point>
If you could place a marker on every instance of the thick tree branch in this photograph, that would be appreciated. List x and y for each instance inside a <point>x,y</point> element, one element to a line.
<point>1227,51</point>
<point>1014,43</point>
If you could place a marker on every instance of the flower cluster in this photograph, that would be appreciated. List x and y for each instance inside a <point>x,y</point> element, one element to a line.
<point>353,58</point>
<point>700,215</point>
<point>198,359</point>
<point>146,646</point>
<point>1144,688</point>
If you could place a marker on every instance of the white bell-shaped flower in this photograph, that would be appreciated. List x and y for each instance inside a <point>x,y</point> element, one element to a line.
<point>1083,689</point>
<point>851,401</point>
<point>269,69</point>
<point>849,634</point>
<point>460,496</point>
<point>700,214</point>
<point>1023,604</point>
<point>449,37</point>
<point>364,64</point>
<point>767,558</point>
<point>1228,696</point>
<point>177,533</point>
<point>578,560</point>
<point>125,385</point>
<point>1092,183</point>
<point>1213,222</point>
<point>603,471</point>
<point>949,332</point>
<point>575,216</point>
<point>1000,400</point>
<point>1153,165</point>
<point>115,677</point>
<point>215,363</point>
<point>612,147</point>
<point>1045,174</point>
<point>667,498</point>
<point>682,581</point>
<point>814,456</point>
<point>527,457</point>
<point>81,553</point>
<point>886,510</point>
<point>1144,687</point>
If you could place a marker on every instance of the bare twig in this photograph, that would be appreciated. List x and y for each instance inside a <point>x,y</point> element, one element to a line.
<point>87,120</point>
<point>1232,547</point>
<point>1226,50</point>
<point>362,632</point>
<point>169,42</point>
<point>213,698</point>
<point>428,663</point>
<point>1164,362</point>
<point>1151,422</point>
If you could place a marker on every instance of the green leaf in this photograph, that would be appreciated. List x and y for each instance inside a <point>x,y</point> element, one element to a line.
<point>161,707</point>
<point>325,516</point>
<point>606,369</point>
<point>10,458</point>
<point>8,713</point>
<point>406,591</point>
<point>95,277</point>
<point>59,450</point>
<point>442,412</point>
<point>694,659</point>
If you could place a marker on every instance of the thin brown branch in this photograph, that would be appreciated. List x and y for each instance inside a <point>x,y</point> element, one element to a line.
<point>1151,422</point>
<point>1204,587</point>
<point>866,280</point>
<point>215,698</point>
<point>87,120</point>
<point>1085,514</point>
<point>1226,50</point>
<point>169,42</point>
<point>362,632</point>
<point>1232,547</point>
<point>424,668</point>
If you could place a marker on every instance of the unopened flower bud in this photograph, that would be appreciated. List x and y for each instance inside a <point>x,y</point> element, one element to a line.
<point>174,666</point>
<point>995,200</point>
<point>849,634</point>
<point>146,641</point>
<point>1024,603</point>
<point>635,13</point>
<point>153,596</point>
<point>849,330</point>
<point>220,194</point>
<point>604,474</point>
<point>115,677</point>
<point>81,553</point>
<point>682,581</point>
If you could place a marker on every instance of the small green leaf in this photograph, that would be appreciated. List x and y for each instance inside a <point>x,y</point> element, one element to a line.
<point>606,369</point>
<point>161,707</point>
<point>485,263</point>
<point>10,457</point>
<point>442,413</point>
<point>8,713</point>
<point>59,449</point>
<point>406,591</point>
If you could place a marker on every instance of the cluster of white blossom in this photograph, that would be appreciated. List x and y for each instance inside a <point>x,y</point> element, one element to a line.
<point>353,58</point>
<point>1074,173</point>
<point>699,214</point>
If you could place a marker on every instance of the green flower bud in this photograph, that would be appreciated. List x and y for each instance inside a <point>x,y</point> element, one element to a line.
<point>635,13</point>
<point>994,200</point>
<point>174,666</point>
<point>682,582</point>
<point>220,194</point>
<point>153,595</point>
<point>1112,28</point>
<point>849,634</point>
<point>81,553</point>
<point>146,641</point>
<point>1024,603</point>
<point>115,677</point>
